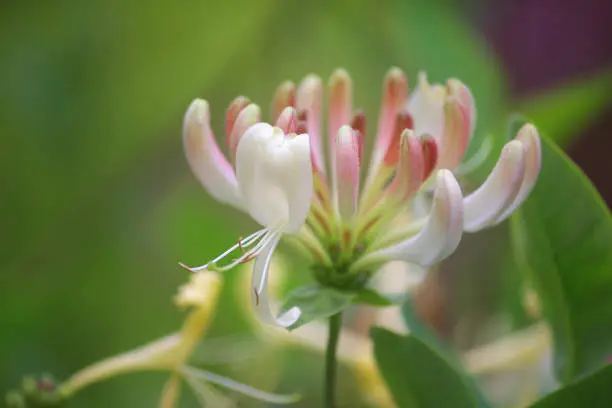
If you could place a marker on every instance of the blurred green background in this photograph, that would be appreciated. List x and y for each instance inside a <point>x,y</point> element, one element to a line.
<point>98,203</point>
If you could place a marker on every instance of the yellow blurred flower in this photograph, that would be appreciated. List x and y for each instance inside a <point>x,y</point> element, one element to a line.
<point>172,353</point>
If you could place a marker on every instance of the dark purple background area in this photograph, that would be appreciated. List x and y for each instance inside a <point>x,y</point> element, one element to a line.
<point>543,43</point>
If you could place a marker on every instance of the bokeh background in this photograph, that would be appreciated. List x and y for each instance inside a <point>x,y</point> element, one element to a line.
<point>98,204</point>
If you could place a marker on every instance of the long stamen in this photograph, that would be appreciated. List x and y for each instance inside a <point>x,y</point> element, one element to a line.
<point>264,236</point>
<point>242,243</point>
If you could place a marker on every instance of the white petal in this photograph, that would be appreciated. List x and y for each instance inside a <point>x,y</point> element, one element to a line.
<point>426,106</point>
<point>259,290</point>
<point>205,159</point>
<point>467,100</point>
<point>233,385</point>
<point>529,137</point>
<point>442,231</point>
<point>483,206</point>
<point>275,176</point>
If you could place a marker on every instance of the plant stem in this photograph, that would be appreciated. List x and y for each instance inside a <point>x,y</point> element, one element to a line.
<point>335,322</point>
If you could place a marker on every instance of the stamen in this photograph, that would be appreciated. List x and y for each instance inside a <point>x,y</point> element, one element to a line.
<point>242,243</point>
<point>241,246</point>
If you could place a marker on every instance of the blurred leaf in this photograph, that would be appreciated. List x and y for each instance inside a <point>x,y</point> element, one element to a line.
<point>591,391</point>
<point>564,111</point>
<point>563,236</point>
<point>419,329</point>
<point>374,298</point>
<point>418,376</point>
<point>316,302</point>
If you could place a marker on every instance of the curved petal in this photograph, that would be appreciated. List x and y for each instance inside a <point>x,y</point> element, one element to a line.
<point>288,120</point>
<point>464,96</point>
<point>455,135</point>
<point>529,137</point>
<point>275,176</point>
<point>309,101</point>
<point>205,159</point>
<point>348,165</point>
<point>340,106</point>
<point>442,231</point>
<point>394,98</point>
<point>426,106</point>
<point>259,294</point>
<point>247,117</point>
<point>411,167</point>
<point>283,96</point>
<point>483,206</point>
<point>233,110</point>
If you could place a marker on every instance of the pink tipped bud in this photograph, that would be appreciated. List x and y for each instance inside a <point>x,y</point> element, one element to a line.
<point>359,125</point>
<point>348,164</point>
<point>456,134</point>
<point>403,121</point>
<point>302,122</point>
<point>430,155</point>
<point>233,111</point>
<point>340,105</point>
<point>288,120</point>
<point>283,97</point>
<point>247,118</point>
<point>463,94</point>
<point>394,98</point>
<point>309,104</point>
<point>411,166</point>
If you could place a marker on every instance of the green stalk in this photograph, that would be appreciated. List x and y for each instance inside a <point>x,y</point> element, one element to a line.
<point>335,323</point>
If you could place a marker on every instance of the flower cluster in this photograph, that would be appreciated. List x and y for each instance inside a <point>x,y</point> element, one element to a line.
<point>350,219</point>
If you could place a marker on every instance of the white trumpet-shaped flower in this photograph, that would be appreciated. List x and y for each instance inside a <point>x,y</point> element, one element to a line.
<point>272,182</point>
<point>348,225</point>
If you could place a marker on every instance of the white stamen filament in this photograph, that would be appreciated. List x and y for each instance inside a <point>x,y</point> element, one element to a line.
<point>477,159</point>
<point>260,238</point>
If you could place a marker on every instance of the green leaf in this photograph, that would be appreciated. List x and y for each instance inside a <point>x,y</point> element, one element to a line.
<point>563,236</point>
<point>373,298</point>
<point>418,376</point>
<point>591,391</point>
<point>420,330</point>
<point>316,302</point>
<point>562,112</point>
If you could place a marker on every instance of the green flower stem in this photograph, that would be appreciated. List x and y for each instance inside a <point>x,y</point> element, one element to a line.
<point>335,323</point>
<point>157,355</point>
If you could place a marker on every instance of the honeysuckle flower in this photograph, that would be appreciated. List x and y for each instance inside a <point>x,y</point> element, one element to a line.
<point>271,180</point>
<point>449,114</point>
<point>172,354</point>
<point>348,225</point>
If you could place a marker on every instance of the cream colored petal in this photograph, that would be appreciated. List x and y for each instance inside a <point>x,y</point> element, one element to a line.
<point>259,287</point>
<point>442,231</point>
<point>483,206</point>
<point>205,159</point>
<point>529,137</point>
